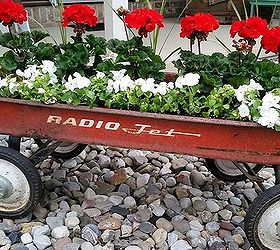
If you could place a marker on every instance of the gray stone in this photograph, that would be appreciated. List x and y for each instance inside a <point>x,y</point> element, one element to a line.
<point>172,203</point>
<point>196,225</point>
<point>40,230</point>
<point>87,246</point>
<point>171,182</point>
<point>4,240</point>
<point>165,224</point>
<point>71,246</point>
<point>172,238</point>
<point>142,180</point>
<point>104,161</point>
<point>212,227</point>
<point>250,193</point>
<point>225,214</point>
<point>71,222</point>
<point>54,222</point>
<point>26,238</point>
<point>60,232</point>
<point>41,241</point>
<point>178,164</point>
<point>181,244</point>
<point>72,163</point>
<point>198,178</point>
<point>129,202</point>
<point>212,206</point>
<point>147,227</point>
<point>159,235</point>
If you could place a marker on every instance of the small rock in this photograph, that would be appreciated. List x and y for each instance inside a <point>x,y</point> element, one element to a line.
<point>87,246</point>
<point>91,233</point>
<point>159,235</point>
<point>198,178</point>
<point>71,222</point>
<point>165,224</point>
<point>181,244</point>
<point>41,241</point>
<point>250,193</point>
<point>147,227</point>
<point>111,223</point>
<point>225,214</point>
<point>212,206</point>
<point>71,246</point>
<point>104,161</point>
<point>60,232</point>
<point>54,222</point>
<point>119,177</point>
<point>142,180</point>
<point>26,238</point>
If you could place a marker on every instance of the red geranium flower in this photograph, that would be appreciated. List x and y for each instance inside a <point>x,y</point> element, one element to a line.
<point>80,14</point>
<point>144,20</point>
<point>198,25</point>
<point>252,28</point>
<point>271,40</point>
<point>187,27</point>
<point>12,12</point>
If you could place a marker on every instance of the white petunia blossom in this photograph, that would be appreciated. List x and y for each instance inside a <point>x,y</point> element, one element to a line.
<point>244,110</point>
<point>268,117</point>
<point>3,82</point>
<point>189,79</point>
<point>41,91</point>
<point>269,111</point>
<point>13,85</point>
<point>91,61</point>
<point>76,82</point>
<point>109,56</point>
<point>100,75</point>
<point>244,89</point>
<point>271,101</point>
<point>254,85</point>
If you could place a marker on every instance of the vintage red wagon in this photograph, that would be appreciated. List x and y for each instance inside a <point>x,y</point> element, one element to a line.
<point>225,144</point>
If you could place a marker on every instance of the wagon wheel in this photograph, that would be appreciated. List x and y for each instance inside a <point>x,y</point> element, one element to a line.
<point>66,150</point>
<point>227,171</point>
<point>20,184</point>
<point>262,223</point>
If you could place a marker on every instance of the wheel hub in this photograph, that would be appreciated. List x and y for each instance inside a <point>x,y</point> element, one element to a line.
<point>6,187</point>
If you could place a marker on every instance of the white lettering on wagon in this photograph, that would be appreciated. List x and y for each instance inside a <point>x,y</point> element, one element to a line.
<point>142,129</point>
<point>114,126</point>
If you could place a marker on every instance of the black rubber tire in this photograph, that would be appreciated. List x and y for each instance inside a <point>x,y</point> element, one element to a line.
<point>213,167</point>
<point>65,156</point>
<point>256,209</point>
<point>14,142</point>
<point>32,176</point>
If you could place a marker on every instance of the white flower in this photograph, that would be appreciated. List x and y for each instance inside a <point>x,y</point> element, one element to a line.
<point>20,73</point>
<point>118,75</point>
<point>77,81</point>
<point>126,83</point>
<point>91,61</point>
<point>13,85</point>
<point>48,67</point>
<point>41,91</point>
<point>3,82</point>
<point>244,110</point>
<point>171,85</point>
<point>28,83</point>
<point>148,85</point>
<point>268,117</point>
<point>100,75</point>
<point>271,101</point>
<point>189,79</point>
<point>109,56</point>
<point>255,85</point>
<point>244,89</point>
<point>161,88</point>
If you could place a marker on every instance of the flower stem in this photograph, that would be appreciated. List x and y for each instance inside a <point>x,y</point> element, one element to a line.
<point>199,47</point>
<point>61,28</point>
<point>191,45</point>
<point>259,52</point>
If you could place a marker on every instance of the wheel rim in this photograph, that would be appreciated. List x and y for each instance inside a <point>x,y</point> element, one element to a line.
<point>267,229</point>
<point>228,168</point>
<point>14,188</point>
<point>64,147</point>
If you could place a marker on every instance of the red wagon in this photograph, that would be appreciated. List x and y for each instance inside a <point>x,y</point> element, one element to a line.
<point>231,142</point>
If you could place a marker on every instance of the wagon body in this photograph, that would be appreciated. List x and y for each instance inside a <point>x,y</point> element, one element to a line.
<point>210,138</point>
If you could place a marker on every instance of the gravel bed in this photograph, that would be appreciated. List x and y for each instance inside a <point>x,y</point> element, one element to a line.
<point>113,198</point>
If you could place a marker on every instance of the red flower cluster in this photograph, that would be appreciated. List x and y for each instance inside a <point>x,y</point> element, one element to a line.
<point>144,20</point>
<point>250,29</point>
<point>199,24</point>
<point>80,14</point>
<point>271,40</point>
<point>12,12</point>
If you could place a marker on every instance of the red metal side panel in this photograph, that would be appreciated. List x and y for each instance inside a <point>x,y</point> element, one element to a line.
<point>212,138</point>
